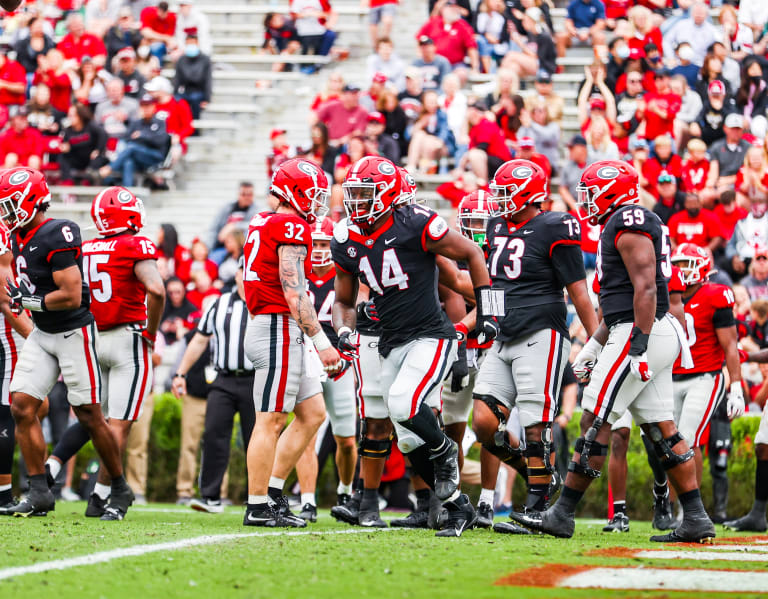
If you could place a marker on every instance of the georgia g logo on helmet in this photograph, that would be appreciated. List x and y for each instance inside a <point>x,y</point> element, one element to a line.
<point>307,168</point>
<point>124,197</point>
<point>522,172</point>
<point>608,172</point>
<point>18,178</point>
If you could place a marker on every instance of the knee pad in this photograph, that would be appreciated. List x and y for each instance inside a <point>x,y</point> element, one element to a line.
<point>541,449</point>
<point>377,449</point>
<point>7,440</point>
<point>587,447</point>
<point>663,448</point>
<point>511,456</point>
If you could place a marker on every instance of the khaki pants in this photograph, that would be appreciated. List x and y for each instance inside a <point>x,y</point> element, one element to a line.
<point>136,452</point>
<point>192,423</point>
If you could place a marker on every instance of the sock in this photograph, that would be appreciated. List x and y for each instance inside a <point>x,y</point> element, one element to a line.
<point>761,482</point>
<point>343,489</point>
<point>254,500</point>
<point>102,491</point>
<point>54,466</point>
<point>537,496</point>
<point>425,425</point>
<point>5,494</point>
<point>119,483</point>
<point>276,487</point>
<point>308,498</point>
<point>422,500</point>
<point>71,442</point>
<point>370,500</point>
<point>7,440</point>
<point>486,496</point>
<point>569,499</point>
<point>660,490</point>
<point>38,482</point>
<point>620,507</point>
<point>691,501</point>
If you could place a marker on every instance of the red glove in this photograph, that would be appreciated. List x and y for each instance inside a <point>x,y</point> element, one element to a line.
<point>462,332</point>
<point>743,356</point>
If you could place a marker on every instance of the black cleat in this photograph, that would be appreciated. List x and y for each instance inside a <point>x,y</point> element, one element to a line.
<point>554,521</point>
<point>308,513</point>
<point>619,523</point>
<point>446,466</point>
<point>752,522</point>
<point>663,519</point>
<point>120,500</point>
<point>437,513</point>
<point>285,517</point>
<point>36,503</point>
<point>347,510</point>
<point>510,528</point>
<point>371,519</point>
<point>96,506</point>
<point>695,528</point>
<point>417,519</point>
<point>7,506</point>
<point>461,516</point>
<point>484,516</point>
<point>262,514</point>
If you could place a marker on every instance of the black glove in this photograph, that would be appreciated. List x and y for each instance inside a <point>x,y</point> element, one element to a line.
<point>22,297</point>
<point>367,311</point>
<point>486,327</point>
<point>460,369</point>
<point>348,345</point>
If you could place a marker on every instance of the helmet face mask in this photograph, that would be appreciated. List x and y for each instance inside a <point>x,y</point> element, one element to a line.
<point>11,212</point>
<point>473,213</point>
<point>371,189</point>
<point>302,185</point>
<point>516,185</point>
<point>23,192</point>
<point>605,186</point>
<point>322,233</point>
<point>694,263</point>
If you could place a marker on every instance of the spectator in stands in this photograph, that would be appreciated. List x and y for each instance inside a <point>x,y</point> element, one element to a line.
<point>315,20</point>
<point>508,112</point>
<point>333,86</point>
<point>280,151</point>
<point>487,148</point>
<point>618,53</point>
<point>630,109</point>
<point>599,143</point>
<point>752,95</point>
<point>369,98</point>
<point>234,239</point>
<point>35,44</point>
<point>491,28</point>
<point>738,39</point>
<point>355,150</point>
<point>79,43</point>
<point>696,167</point>
<point>749,231</point>
<point>752,178</point>
<point>697,30</point>
<point>661,107</point>
<point>754,15</point>
<point>93,83</point>
<point>381,15</point>
<point>380,141</point>
<point>344,117</point>
<point>169,248</point>
<point>709,124</point>
<point>545,133</point>
<point>527,151</point>
<point>280,37</point>
<point>198,261</point>
<point>695,224</point>
<point>727,154</point>
<point>507,86</point>
<point>454,103</point>
<point>13,81</point>
<point>193,80</point>
<point>147,64</point>
<point>663,158</point>
<point>641,30</point>
<point>41,115</point>
<point>756,282</point>
<point>114,113</point>
<point>454,38</point>
<point>573,167</point>
<point>396,119</point>
<point>147,144</point>
<point>690,108</point>
<point>100,15</point>
<point>711,71</point>
<point>320,151</point>
<point>536,48</point>
<point>52,72</point>
<point>83,146</point>
<point>191,19</point>
<point>122,34</point>
<point>232,216</point>
<point>158,26</point>
<point>592,104</point>
<point>176,114</point>
<point>685,66</point>
<point>20,144</point>
<point>410,97</point>
<point>728,212</point>
<point>431,137</point>
<point>431,65</point>
<point>584,24</point>
<point>201,289</point>
<point>670,199</point>
<point>133,81</point>
<point>177,314</point>
<point>544,94</point>
<point>387,62</point>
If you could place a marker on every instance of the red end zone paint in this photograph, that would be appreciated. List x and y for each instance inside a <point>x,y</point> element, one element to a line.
<point>542,576</point>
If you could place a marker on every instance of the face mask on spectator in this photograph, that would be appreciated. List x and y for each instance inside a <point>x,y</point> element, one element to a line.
<point>686,53</point>
<point>755,79</point>
<point>623,52</point>
<point>191,50</point>
<point>693,212</point>
<point>143,51</point>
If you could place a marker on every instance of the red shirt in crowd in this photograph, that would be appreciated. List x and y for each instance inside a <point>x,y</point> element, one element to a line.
<point>649,83</point>
<point>729,216</point>
<point>656,125</point>
<point>24,144</point>
<point>340,121</point>
<point>616,9</point>
<point>740,179</point>
<point>60,86</point>
<point>178,119</point>
<point>653,167</point>
<point>487,132</point>
<point>700,229</point>
<point>652,37</point>
<point>695,174</point>
<point>151,20</point>
<point>87,45</point>
<point>198,297</point>
<point>451,41</point>
<point>12,72</point>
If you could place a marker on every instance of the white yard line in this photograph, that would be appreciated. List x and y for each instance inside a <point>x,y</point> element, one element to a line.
<point>670,580</point>
<point>137,550</point>
<point>732,556</point>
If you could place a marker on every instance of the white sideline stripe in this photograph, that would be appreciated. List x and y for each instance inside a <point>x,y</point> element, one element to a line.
<point>732,556</point>
<point>757,549</point>
<point>669,580</point>
<point>137,550</point>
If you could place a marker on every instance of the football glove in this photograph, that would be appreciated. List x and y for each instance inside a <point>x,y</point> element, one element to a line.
<point>586,359</point>
<point>23,298</point>
<point>735,405</point>
<point>489,302</point>
<point>349,344</point>
<point>638,358</point>
<point>460,369</point>
<point>367,310</point>
<point>462,332</point>
<point>743,356</point>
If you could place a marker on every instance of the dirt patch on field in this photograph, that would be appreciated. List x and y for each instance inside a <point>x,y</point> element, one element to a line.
<point>542,576</point>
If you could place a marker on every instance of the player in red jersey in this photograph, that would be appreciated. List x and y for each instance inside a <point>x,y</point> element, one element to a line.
<point>127,299</point>
<point>287,377</point>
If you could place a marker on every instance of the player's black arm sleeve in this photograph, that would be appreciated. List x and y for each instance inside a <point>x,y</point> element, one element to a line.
<point>639,257</point>
<point>343,312</point>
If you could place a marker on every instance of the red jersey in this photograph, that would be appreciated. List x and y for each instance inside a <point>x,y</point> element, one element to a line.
<point>728,219</point>
<point>590,234</point>
<point>695,175</point>
<point>656,125</point>
<point>87,45</point>
<point>700,310</point>
<point>266,233</point>
<point>117,295</point>
<point>12,72</point>
<point>151,20</point>
<point>700,229</point>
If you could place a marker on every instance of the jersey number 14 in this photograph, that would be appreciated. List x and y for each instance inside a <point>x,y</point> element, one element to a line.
<point>392,273</point>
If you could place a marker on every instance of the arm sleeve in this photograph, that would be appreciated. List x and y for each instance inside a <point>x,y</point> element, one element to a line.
<point>63,258</point>
<point>723,318</point>
<point>568,263</point>
<point>65,246</point>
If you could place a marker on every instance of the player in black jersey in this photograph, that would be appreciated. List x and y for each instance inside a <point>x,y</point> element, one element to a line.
<point>49,283</point>
<point>629,360</point>
<point>394,253</point>
<point>533,255</point>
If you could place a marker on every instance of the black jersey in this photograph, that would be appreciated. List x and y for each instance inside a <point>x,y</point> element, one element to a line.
<point>532,262</point>
<point>322,294</point>
<point>51,246</point>
<point>616,290</point>
<point>401,274</point>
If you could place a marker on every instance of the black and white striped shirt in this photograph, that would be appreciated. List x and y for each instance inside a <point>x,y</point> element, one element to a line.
<point>226,320</point>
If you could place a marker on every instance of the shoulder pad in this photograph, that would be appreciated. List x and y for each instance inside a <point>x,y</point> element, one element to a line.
<point>341,231</point>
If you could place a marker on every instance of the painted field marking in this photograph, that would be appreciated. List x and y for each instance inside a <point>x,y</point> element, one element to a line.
<point>730,556</point>
<point>137,550</point>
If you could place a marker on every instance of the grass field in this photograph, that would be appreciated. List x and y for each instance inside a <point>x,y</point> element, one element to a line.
<point>324,560</point>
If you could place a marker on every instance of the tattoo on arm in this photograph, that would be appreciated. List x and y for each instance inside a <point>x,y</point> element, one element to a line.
<point>294,284</point>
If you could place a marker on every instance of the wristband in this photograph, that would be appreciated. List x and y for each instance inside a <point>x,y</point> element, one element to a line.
<point>34,303</point>
<point>321,341</point>
<point>638,342</point>
<point>462,332</point>
<point>490,302</point>
<point>343,330</point>
<point>180,376</point>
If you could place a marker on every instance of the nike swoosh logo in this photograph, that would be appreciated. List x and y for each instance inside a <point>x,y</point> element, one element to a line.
<point>694,305</point>
<point>527,232</point>
<point>388,241</point>
<point>251,518</point>
<point>32,248</point>
<point>532,343</point>
<point>68,336</point>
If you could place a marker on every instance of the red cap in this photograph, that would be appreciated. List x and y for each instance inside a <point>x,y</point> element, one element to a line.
<point>276,132</point>
<point>597,104</point>
<point>636,53</point>
<point>377,116</point>
<point>526,142</point>
<point>379,77</point>
<point>716,88</point>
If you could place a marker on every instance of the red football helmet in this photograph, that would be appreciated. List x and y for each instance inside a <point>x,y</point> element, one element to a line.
<point>693,261</point>
<point>408,188</point>
<point>474,211</point>
<point>23,191</point>
<point>322,230</point>
<point>604,186</point>
<point>371,188</point>
<point>116,210</point>
<point>516,185</point>
<point>303,185</point>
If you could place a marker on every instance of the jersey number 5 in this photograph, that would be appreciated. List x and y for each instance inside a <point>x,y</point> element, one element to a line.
<point>392,273</point>
<point>102,293</point>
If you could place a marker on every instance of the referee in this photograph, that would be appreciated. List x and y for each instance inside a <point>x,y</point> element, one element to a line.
<point>231,391</point>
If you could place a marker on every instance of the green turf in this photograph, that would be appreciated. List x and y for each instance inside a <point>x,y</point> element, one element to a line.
<point>411,564</point>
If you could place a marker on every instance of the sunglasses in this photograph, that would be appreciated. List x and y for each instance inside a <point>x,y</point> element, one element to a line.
<point>761,258</point>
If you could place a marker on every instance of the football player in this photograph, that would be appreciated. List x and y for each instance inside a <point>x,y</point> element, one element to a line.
<point>127,299</point>
<point>533,255</point>
<point>339,390</point>
<point>50,284</point>
<point>287,377</point>
<point>629,359</point>
<point>394,253</point>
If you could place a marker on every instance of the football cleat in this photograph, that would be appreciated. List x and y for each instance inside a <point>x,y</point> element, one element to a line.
<point>484,516</point>
<point>446,466</point>
<point>285,516</point>
<point>695,528</point>
<point>36,503</point>
<point>348,509</point>
<point>555,521</point>
<point>119,502</point>
<point>416,519</point>
<point>753,522</point>
<point>263,514</point>
<point>96,506</point>
<point>460,517</point>
<point>209,506</point>
<point>510,528</point>
<point>308,513</point>
<point>619,523</point>
<point>4,509</point>
<point>436,512</point>
<point>371,519</point>
<point>663,519</point>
